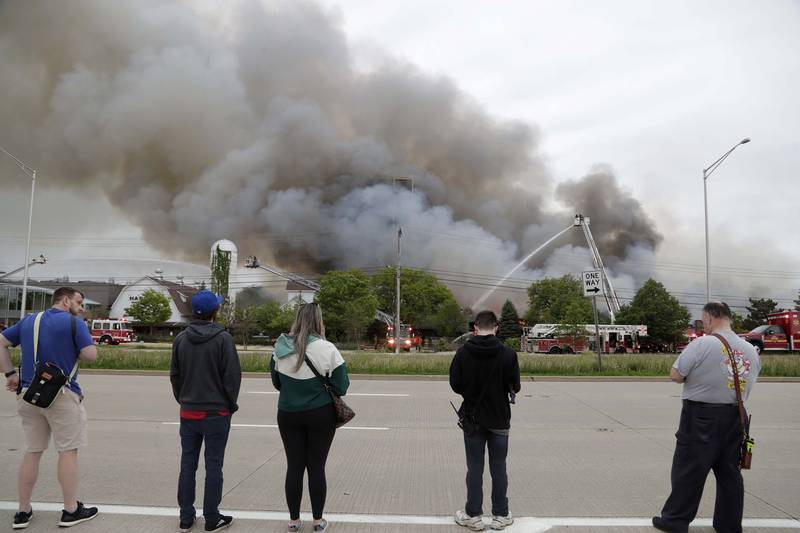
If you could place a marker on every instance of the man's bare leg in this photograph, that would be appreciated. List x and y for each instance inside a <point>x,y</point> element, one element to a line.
<point>26,480</point>
<point>68,478</point>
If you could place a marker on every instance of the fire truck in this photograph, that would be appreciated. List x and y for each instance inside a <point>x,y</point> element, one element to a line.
<point>780,333</point>
<point>112,331</point>
<point>614,338</point>
<point>408,338</point>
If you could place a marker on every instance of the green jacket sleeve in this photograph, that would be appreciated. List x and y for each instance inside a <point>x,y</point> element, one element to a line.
<point>276,378</point>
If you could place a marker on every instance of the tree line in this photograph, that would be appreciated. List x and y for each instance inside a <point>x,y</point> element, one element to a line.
<point>349,299</point>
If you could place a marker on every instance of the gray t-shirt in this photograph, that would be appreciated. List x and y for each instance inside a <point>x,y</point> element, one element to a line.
<point>707,368</point>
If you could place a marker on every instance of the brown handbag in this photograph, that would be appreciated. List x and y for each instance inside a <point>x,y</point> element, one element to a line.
<point>344,413</point>
<point>748,443</point>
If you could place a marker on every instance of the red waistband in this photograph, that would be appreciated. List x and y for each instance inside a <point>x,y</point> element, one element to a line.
<point>200,415</point>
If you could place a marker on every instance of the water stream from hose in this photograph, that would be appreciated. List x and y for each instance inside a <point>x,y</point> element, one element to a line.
<point>527,258</point>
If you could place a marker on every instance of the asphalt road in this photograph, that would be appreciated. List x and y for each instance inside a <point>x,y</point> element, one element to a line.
<point>583,456</point>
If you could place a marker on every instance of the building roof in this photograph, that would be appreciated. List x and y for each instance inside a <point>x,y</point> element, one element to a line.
<point>295,286</point>
<point>102,292</point>
<point>180,294</point>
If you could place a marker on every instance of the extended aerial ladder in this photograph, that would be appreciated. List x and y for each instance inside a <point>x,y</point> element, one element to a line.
<point>608,290</point>
<point>253,262</point>
<point>35,261</point>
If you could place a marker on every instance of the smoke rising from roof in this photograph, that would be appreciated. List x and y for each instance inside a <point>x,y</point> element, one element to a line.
<point>250,122</point>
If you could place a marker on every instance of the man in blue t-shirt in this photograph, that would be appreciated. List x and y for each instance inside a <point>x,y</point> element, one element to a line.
<point>64,339</point>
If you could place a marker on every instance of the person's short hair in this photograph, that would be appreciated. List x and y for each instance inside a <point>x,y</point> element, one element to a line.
<point>718,310</point>
<point>65,292</point>
<point>486,320</point>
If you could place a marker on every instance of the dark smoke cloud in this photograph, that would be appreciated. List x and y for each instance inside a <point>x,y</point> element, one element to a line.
<point>250,122</point>
<point>618,220</point>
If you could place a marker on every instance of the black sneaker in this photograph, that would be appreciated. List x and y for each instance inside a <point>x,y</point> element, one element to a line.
<point>22,519</point>
<point>222,523</point>
<point>662,525</point>
<point>184,527</point>
<point>81,514</point>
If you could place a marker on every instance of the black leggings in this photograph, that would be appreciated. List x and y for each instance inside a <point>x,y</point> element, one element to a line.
<point>307,438</point>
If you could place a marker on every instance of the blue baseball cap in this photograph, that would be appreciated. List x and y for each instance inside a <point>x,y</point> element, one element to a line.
<point>205,302</point>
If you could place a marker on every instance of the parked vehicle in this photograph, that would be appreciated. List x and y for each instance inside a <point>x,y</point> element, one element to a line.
<point>781,333</point>
<point>614,338</point>
<point>407,339</point>
<point>112,331</point>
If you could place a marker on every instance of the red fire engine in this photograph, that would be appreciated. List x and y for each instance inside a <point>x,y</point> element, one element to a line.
<point>614,338</point>
<point>780,333</point>
<point>112,331</point>
<point>408,338</point>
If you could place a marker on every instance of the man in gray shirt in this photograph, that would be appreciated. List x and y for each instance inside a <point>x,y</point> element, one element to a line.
<point>709,436</point>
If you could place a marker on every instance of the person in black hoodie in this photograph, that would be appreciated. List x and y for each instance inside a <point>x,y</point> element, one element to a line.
<point>484,372</point>
<point>206,376</point>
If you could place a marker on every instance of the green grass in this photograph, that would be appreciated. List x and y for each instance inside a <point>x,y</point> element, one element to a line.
<point>148,358</point>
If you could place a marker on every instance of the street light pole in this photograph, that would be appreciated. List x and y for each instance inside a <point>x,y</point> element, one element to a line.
<point>32,173</point>
<point>706,174</point>
<point>397,295</point>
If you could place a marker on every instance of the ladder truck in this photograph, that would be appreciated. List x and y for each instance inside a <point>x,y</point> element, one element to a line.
<point>608,290</point>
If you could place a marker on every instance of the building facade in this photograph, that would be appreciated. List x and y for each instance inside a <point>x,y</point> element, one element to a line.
<point>38,299</point>
<point>179,296</point>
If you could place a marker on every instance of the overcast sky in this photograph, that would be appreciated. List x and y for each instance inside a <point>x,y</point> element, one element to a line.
<point>656,91</point>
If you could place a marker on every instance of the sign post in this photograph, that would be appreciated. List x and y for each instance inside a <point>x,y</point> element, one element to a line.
<point>593,286</point>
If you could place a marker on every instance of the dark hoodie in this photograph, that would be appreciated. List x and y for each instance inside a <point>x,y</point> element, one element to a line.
<point>205,371</point>
<point>472,367</point>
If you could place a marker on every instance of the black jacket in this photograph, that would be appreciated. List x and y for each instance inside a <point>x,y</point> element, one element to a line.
<point>205,371</point>
<point>472,367</point>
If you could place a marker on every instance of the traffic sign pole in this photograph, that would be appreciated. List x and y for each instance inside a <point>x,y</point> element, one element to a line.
<point>597,335</point>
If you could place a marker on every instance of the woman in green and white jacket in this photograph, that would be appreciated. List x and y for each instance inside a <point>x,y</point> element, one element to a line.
<point>306,416</point>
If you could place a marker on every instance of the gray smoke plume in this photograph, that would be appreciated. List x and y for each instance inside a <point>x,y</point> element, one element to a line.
<point>249,121</point>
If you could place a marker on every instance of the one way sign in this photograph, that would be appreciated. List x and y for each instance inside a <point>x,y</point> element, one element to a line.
<point>592,283</point>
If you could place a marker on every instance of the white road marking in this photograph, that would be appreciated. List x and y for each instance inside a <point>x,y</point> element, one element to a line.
<point>349,394</point>
<point>274,426</point>
<point>527,524</point>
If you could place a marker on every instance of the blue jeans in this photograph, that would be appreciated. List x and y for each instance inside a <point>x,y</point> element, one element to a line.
<point>475,446</point>
<point>214,432</point>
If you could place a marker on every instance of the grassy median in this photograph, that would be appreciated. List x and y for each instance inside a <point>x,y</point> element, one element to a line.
<point>142,357</point>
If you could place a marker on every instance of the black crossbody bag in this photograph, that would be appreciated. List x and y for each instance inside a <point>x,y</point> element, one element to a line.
<point>48,379</point>
<point>467,421</point>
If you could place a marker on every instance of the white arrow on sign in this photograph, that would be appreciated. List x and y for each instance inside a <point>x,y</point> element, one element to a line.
<point>592,283</point>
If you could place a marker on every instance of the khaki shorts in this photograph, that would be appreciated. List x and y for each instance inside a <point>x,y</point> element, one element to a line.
<point>65,419</point>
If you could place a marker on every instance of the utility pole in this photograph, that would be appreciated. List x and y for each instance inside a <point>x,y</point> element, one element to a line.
<point>397,295</point>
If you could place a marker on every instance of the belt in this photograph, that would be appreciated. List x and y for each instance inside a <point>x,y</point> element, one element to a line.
<point>706,404</point>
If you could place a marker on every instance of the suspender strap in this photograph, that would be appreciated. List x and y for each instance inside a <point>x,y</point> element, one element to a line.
<point>736,384</point>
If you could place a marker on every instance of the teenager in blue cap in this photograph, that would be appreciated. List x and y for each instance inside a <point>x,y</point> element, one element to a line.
<point>206,377</point>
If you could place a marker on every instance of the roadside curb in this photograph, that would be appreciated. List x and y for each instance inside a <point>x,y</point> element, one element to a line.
<point>413,377</point>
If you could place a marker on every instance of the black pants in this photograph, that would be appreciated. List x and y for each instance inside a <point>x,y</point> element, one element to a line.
<point>475,446</point>
<point>709,438</point>
<point>307,438</point>
<point>213,432</point>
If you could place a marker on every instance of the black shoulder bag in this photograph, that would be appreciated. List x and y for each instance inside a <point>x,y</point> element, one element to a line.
<point>467,421</point>
<point>48,379</point>
<point>746,457</point>
<point>344,413</point>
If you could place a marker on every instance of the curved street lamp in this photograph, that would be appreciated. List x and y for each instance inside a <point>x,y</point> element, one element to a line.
<point>706,173</point>
<point>31,172</point>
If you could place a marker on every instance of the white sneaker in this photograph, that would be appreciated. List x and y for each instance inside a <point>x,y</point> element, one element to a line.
<point>474,523</point>
<point>501,522</point>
